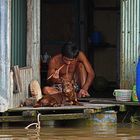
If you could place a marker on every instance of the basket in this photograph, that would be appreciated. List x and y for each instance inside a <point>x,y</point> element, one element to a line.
<point>122,94</point>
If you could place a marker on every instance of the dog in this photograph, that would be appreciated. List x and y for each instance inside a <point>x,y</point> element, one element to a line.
<point>69,92</point>
<point>51,100</point>
<point>66,97</point>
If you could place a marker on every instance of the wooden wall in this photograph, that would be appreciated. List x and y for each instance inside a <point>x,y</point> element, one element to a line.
<point>25,77</point>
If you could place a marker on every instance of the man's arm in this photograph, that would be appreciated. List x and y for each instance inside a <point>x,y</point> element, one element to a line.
<point>90,72</point>
<point>53,74</point>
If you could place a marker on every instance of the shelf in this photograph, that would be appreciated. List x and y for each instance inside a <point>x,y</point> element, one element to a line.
<point>107,8</point>
<point>101,46</point>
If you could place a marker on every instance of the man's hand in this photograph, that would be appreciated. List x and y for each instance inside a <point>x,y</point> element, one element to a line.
<point>83,93</point>
<point>56,74</point>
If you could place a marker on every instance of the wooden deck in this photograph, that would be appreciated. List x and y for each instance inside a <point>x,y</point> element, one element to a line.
<point>90,106</point>
<point>86,105</point>
<point>109,101</point>
<point>29,114</point>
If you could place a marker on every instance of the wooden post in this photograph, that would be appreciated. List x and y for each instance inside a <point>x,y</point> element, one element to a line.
<point>33,37</point>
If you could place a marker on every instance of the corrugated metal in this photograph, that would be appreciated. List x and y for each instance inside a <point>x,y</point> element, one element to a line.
<point>26,77</point>
<point>19,19</point>
<point>4,54</point>
<point>130,29</point>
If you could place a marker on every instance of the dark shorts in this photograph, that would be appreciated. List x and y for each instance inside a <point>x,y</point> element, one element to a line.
<point>59,87</point>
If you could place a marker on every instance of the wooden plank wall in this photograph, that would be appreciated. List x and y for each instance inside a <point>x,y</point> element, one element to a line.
<point>26,77</point>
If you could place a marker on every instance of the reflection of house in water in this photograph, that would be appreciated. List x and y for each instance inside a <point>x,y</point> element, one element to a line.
<point>29,28</point>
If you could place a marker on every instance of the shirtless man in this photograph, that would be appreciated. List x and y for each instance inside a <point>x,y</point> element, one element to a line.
<point>71,64</point>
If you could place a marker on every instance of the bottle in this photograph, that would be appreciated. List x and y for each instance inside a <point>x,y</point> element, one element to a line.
<point>138,79</point>
<point>134,94</point>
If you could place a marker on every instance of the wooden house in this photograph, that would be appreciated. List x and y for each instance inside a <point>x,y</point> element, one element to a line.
<point>29,28</point>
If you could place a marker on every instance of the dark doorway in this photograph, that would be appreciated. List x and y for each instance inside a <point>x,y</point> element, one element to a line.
<point>59,24</point>
<point>95,26</point>
<point>104,44</point>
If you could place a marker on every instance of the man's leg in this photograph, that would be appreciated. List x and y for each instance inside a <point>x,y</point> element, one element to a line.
<point>50,90</point>
<point>81,74</point>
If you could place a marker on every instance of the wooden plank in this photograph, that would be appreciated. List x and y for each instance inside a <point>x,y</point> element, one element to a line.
<point>26,77</point>
<point>17,79</point>
<point>73,107</point>
<point>43,117</point>
<point>109,101</point>
<point>11,90</point>
<point>54,113</point>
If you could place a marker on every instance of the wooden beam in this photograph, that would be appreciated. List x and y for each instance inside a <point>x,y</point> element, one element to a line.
<point>9,119</point>
<point>17,79</point>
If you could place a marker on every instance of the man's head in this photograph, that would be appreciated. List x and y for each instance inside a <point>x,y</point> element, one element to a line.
<point>70,50</point>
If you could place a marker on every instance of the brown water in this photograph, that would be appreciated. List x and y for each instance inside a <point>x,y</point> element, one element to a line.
<point>95,132</point>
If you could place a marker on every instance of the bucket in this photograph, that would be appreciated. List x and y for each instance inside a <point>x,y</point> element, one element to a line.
<point>105,118</point>
<point>122,94</point>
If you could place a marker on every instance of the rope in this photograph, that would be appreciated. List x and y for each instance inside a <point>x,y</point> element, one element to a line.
<point>37,125</point>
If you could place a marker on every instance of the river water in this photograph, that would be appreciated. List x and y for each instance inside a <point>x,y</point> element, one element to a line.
<point>120,131</point>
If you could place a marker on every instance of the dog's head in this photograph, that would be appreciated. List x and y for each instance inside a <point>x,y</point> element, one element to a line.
<point>67,86</point>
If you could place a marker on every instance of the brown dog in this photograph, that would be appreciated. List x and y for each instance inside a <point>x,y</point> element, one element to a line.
<point>54,99</point>
<point>51,100</point>
<point>69,91</point>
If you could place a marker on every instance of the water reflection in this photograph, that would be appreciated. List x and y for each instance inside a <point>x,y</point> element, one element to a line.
<point>96,132</point>
<point>105,129</point>
<point>33,134</point>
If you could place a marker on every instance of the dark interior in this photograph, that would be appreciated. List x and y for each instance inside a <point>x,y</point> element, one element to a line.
<point>94,25</point>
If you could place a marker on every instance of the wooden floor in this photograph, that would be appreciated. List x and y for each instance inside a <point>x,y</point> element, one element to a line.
<point>109,101</point>
<point>86,105</point>
<point>29,114</point>
<point>90,106</point>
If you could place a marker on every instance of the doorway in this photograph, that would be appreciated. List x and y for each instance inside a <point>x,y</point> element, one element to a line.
<point>104,45</point>
<point>63,21</point>
<point>59,24</point>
